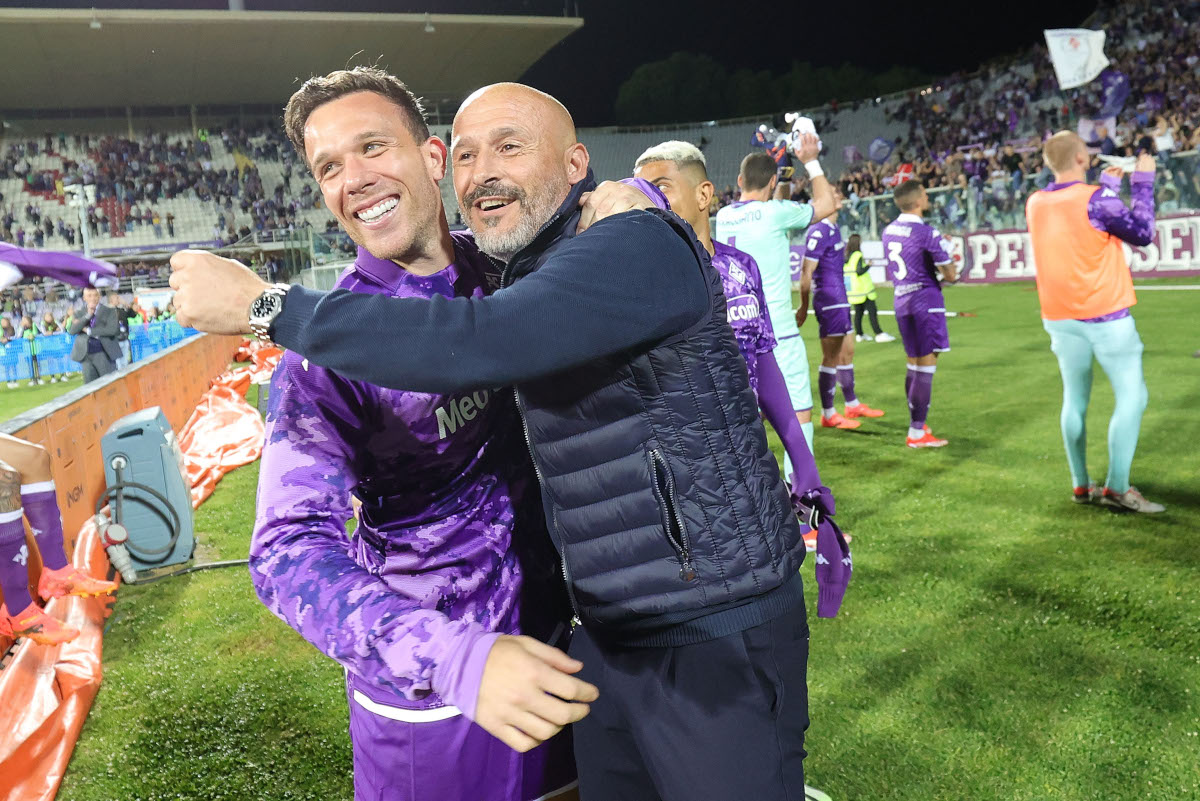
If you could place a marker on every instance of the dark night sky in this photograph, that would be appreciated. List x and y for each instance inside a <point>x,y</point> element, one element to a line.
<point>586,70</point>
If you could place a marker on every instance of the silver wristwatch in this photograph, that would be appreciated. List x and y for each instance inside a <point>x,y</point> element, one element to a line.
<point>265,308</point>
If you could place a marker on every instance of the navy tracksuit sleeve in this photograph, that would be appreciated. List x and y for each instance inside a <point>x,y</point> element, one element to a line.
<point>629,280</point>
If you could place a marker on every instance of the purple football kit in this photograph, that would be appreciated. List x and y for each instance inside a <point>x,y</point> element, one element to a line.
<point>914,250</point>
<point>411,602</point>
<point>747,310</point>
<point>825,246</point>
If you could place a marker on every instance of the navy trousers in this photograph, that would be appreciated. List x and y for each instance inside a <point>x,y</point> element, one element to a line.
<point>721,720</point>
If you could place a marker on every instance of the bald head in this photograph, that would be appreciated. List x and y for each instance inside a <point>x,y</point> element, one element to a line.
<point>1064,152</point>
<point>534,104</point>
<point>515,157</point>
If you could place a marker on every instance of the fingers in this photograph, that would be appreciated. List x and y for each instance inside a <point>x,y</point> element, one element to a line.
<point>586,218</point>
<point>535,726</point>
<point>556,711</point>
<point>551,655</point>
<point>568,688</point>
<point>515,739</point>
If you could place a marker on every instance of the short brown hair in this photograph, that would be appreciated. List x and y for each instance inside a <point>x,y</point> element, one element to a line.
<point>319,90</point>
<point>906,193</point>
<point>757,170</point>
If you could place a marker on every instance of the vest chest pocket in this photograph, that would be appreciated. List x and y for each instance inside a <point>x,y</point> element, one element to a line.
<point>663,484</point>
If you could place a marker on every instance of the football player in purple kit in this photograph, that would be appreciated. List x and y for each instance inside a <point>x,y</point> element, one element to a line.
<point>824,267</point>
<point>422,605</point>
<point>680,172</point>
<point>920,261</point>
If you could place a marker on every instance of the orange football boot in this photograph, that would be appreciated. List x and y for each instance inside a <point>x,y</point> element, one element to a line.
<point>70,580</point>
<point>837,421</point>
<point>862,410</point>
<point>34,623</point>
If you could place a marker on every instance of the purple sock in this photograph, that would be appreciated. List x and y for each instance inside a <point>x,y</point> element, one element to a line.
<point>912,369</point>
<point>845,378</point>
<point>827,379</point>
<point>41,507</point>
<point>919,395</point>
<point>14,556</point>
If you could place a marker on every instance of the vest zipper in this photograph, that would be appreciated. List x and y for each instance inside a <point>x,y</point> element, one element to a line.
<point>670,503</point>
<point>562,548</point>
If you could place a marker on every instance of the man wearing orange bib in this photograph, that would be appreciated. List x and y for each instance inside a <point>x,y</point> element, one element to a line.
<point>1086,292</point>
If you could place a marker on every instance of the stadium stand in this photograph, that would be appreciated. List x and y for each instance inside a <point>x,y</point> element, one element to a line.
<point>976,136</point>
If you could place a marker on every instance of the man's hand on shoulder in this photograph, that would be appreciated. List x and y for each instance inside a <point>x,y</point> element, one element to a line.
<point>609,198</point>
<point>527,694</point>
<point>213,294</point>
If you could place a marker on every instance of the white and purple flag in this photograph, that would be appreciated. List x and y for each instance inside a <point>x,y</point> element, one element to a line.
<point>1077,55</point>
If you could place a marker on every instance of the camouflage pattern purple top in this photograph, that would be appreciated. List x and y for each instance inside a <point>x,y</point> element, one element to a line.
<point>747,310</point>
<point>914,250</point>
<point>412,601</point>
<point>742,284</point>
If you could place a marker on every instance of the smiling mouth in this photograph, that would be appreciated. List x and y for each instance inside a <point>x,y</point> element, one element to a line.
<point>493,203</point>
<point>378,210</point>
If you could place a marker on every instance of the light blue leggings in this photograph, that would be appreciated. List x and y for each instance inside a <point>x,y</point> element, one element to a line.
<point>1118,348</point>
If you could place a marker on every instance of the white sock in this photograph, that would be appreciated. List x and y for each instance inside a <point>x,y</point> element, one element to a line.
<point>829,412</point>
<point>916,433</point>
<point>852,404</point>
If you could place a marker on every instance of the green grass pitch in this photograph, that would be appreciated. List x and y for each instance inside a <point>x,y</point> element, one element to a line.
<point>997,642</point>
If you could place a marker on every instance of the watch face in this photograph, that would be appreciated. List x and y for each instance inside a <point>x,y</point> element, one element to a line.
<point>266,305</point>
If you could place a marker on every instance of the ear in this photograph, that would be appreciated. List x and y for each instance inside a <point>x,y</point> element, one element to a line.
<point>740,184</point>
<point>436,158</point>
<point>704,194</point>
<point>578,160</point>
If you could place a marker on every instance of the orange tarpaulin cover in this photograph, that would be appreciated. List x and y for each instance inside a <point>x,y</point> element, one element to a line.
<point>46,691</point>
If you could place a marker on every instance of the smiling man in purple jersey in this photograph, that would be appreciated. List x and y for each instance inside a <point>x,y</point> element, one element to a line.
<point>680,173</point>
<point>824,266</point>
<point>422,605</point>
<point>920,260</point>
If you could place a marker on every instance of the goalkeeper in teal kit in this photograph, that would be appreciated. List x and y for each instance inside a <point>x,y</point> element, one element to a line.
<point>763,227</point>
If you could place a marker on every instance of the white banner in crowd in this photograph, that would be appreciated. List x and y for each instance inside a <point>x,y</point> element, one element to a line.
<point>1077,55</point>
<point>1008,256</point>
<point>991,257</point>
<point>994,256</point>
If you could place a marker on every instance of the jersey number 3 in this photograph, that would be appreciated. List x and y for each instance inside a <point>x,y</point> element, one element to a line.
<point>895,258</point>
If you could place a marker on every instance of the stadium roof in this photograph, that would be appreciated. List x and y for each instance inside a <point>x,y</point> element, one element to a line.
<point>58,59</point>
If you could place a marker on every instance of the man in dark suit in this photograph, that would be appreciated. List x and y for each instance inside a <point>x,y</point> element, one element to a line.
<point>95,333</point>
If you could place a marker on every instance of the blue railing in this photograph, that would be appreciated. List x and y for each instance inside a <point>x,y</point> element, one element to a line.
<point>54,350</point>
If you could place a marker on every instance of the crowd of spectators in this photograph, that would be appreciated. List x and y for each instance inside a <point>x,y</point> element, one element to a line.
<point>133,178</point>
<point>982,133</point>
<point>52,306</point>
<point>36,308</point>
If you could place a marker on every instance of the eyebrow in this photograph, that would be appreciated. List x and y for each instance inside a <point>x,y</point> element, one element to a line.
<point>362,137</point>
<point>499,133</point>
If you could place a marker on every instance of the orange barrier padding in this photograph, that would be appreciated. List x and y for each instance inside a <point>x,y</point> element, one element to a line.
<point>223,433</point>
<point>249,349</point>
<point>46,692</point>
<point>266,359</point>
<point>174,380</point>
